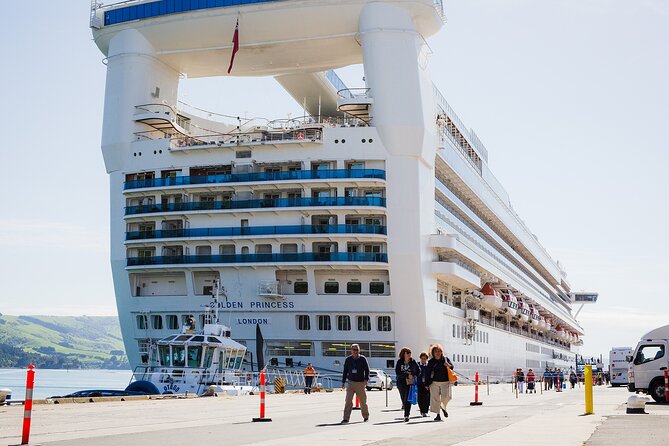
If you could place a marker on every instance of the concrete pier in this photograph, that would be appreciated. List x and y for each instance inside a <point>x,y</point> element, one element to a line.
<point>548,419</point>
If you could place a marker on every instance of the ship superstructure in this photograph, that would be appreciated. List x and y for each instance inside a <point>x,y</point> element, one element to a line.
<point>373,219</point>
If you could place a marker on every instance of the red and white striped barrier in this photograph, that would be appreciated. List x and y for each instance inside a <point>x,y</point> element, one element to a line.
<point>28,405</point>
<point>262,399</point>
<point>476,401</point>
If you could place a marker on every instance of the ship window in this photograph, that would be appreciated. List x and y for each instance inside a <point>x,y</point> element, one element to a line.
<point>301,287</point>
<point>142,322</point>
<point>376,288</point>
<point>157,322</point>
<point>172,322</point>
<point>343,323</point>
<point>290,348</point>
<point>164,355</point>
<point>383,323</point>
<point>178,356</point>
<point>324,323</point>
<point>203,250</point>
<point>354,287</point>
<point>331,287</point>
<point>264,249</point>
<point>288,248</point>
<point>453,330</point>
<point>226,249</point>
<point>213,340</point>
<point>303,322</point>
<point>364,323</point>
<point>208,356</point>
<point>194,356</point>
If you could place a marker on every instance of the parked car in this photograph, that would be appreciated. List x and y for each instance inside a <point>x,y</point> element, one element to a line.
<point>378,379</point>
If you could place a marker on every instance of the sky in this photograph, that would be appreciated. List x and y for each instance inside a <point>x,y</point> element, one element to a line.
<point>569,96</point>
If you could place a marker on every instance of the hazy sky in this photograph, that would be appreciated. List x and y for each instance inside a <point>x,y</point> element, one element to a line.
<point>569,96</point>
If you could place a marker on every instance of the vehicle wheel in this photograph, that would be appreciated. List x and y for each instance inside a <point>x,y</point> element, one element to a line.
<point>656,391</point>
<point>368,389</point>
<point>383,387</point>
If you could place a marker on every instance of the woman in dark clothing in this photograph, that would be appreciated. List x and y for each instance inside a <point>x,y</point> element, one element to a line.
<point>423,390</point>
<point>436,377</point>
<point>406,371</point>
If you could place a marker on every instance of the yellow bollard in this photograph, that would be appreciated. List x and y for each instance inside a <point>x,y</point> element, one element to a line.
<point>588,390</point>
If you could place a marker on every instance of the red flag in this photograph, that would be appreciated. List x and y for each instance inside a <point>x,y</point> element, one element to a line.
<point>235,46</point>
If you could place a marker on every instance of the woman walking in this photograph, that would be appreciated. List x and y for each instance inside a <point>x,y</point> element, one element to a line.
<point>406,371</point>
<point>436,377</point>
<point>423,389</point>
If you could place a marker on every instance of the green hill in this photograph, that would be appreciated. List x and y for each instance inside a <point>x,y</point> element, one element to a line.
<point>61,342</point>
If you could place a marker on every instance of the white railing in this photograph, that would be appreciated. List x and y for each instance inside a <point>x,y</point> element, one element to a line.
<point>96,20</point>
<point>439,6</point>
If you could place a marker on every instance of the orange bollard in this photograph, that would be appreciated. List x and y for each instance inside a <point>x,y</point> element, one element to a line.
<point>476,401</point>
<point>28,405</point>
<point>262,399</point>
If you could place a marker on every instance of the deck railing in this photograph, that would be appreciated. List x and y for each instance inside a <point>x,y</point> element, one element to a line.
<point>256,230</point>
<point>255,204</point>
<point>260,258</point>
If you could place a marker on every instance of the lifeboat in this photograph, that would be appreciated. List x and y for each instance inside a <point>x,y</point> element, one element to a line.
<point>524,311</point>
<point>510,303</point>
<point>491,299</point>
<point>542,322</point>
<point>534,315</point>
<point>561,333</point>
<point>549,324</point>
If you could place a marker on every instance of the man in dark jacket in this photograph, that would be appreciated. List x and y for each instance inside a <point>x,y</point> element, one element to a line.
<point>356,372</point>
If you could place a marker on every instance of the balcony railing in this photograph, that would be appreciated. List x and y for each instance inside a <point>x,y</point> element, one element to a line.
<point>256,204</point>
<point>256,230</point>
<point>260,258</point>
<point>258,176</point>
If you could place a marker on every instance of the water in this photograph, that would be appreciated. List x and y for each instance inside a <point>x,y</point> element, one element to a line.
<point>51,382</point>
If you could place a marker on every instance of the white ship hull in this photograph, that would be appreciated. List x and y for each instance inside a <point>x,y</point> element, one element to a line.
<point>326,231</point>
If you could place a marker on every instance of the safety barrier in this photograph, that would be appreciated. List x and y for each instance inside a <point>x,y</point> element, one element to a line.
<point>28,407</point>
<point>476,401</point>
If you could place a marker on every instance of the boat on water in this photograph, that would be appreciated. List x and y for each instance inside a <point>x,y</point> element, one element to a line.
<point>374,218</point>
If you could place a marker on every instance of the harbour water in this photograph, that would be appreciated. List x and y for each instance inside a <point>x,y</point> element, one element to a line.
<point>52,382</point>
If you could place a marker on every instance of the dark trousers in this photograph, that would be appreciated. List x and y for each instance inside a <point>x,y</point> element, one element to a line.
<point>424,398</point>
<point>308,380</point>
<point>404,395</point>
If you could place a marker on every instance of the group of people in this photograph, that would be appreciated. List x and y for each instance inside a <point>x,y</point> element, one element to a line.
<point>431,377</point>
<point>520,379</point>
<point>556,377</point>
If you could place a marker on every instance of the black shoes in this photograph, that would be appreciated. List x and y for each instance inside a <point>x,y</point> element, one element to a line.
<point>445,413</point>
<point>365,419</point>
<point>424,414</point>
<point>406,419</point>
<point>437,418</point>
<point>344,421</point>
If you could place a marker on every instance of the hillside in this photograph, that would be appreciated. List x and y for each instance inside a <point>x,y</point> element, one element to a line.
<point>61,342</point>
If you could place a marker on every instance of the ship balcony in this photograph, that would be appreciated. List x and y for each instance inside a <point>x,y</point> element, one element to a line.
<point>241,231</point>
<point>355,102</point>
<point>297,175</point>
<point>304,134</point>
<point>267,203</point>
<point>272,259</point>
<point>456,273</point>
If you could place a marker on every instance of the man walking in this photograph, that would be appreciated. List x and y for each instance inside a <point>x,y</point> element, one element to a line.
<point>356,372</point>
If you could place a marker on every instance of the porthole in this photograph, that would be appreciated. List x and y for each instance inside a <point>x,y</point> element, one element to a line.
<point>336,141</point>
<point>134,154</point>
<point>364,140</point>
<point>160,151</point>
<point>343,141</point>
<point>371,140</point>
<point>155,152</point>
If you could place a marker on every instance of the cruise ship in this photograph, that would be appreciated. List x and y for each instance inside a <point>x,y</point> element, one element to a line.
<point>372,219</point>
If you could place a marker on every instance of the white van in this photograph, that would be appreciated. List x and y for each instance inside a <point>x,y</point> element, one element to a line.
<point>648,363</point>
<point>618,365</point>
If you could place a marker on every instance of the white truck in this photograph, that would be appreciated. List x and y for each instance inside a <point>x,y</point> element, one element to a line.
<point>649,362</point>
<point>618,365</point>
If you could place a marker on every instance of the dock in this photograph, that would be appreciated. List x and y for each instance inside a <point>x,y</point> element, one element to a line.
<point>548,419</point>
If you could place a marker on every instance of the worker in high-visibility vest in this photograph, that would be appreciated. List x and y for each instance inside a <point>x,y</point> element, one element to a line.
<point>309,374</point>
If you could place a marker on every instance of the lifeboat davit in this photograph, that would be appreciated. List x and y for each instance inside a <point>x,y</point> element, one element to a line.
<point>491,298</point>
<point>524,311</point>
<point>510,303</point>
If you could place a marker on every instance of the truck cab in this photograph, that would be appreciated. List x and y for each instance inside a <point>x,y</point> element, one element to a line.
<point>648,363</point>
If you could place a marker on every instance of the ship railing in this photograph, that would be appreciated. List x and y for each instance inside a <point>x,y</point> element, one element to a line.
<point>439,6</point>
<point>298,135</point>
<point>353,93</point>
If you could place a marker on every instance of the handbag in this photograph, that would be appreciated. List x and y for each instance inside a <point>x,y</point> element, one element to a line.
<point>413,394</point>
<point>451,375</point>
